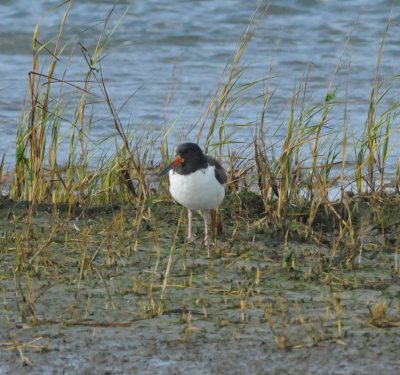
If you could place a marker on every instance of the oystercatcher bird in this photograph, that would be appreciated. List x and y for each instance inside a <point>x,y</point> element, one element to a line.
<point>196,182</point>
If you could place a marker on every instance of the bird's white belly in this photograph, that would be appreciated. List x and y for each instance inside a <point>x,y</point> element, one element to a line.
<point>199,190</point>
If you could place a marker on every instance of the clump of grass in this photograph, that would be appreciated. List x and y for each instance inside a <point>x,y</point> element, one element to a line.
<point>283,319</point>
<point>378,316</point>
<point>39,176</point>
<point>35,345</point>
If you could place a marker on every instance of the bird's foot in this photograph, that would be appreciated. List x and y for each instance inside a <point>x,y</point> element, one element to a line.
<point>208,241</point>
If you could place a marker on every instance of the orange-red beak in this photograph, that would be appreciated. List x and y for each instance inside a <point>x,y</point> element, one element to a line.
<point>176,163</point>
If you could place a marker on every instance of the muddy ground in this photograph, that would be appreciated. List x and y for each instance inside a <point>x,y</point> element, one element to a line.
<point>117,292</point>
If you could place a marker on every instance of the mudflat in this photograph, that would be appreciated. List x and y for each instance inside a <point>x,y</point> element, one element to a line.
<point>116,289</point>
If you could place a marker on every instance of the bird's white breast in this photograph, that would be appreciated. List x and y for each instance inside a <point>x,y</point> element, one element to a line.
<point>199,190</point>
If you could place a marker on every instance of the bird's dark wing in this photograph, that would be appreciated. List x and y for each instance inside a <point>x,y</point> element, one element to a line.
<point>219,171</point>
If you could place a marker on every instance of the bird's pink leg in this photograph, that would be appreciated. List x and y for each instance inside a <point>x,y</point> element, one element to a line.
<point>207,220</point>
<point>190,236</point>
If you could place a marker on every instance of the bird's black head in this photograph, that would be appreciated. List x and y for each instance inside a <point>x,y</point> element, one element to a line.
<point>189,158</point>
<point>190,150</point>
<point>192,158</point>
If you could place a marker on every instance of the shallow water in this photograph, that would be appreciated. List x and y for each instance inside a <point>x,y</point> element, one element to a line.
<point>172,54</point>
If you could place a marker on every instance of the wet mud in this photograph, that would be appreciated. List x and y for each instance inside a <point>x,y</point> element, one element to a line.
<point>116,289</point>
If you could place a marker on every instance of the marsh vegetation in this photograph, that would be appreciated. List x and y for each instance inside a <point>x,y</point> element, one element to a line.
<point>93,253</point>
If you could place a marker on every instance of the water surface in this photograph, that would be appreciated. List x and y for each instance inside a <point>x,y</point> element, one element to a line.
<point>173,54</point>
